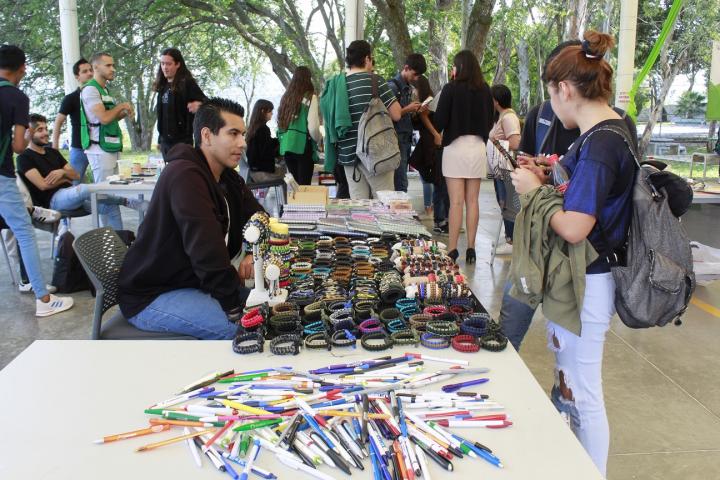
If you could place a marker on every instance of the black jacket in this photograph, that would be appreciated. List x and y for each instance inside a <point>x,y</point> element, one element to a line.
<point>181,242</point>
<point>262,150</point>
<point>242,205</point>
<point>179,126</point>
<point>464,111</point>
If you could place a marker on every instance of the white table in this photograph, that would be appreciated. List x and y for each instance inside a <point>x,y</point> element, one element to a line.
<point>705,197</point>
<point>141,189</point>
<point>59,395</point>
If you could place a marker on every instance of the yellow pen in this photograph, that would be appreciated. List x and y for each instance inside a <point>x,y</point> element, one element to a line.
<point>244,408</point>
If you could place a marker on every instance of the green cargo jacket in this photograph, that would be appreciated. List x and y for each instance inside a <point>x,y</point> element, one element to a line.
<point>335,109</point>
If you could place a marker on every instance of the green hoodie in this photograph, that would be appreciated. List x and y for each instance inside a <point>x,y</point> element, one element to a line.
<point>335,109</point>
<point>545,268</point>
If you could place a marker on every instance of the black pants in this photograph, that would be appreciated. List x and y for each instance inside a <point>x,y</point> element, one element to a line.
<point>343,190</point>
<point>301,165</point>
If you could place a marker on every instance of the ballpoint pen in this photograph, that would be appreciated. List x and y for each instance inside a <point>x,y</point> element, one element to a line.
<point>250,459</point>
<point>210,454</point>
<point>457,386</point>
<point>424,467</point>
<point>205,381</point>
<point>331,452</point>
<point>437,359</point>
<point>443,462</point>
<point>172,440</point>
<point>193,449</point>
<point>294,464</point>
<point>260,472</point>
<point>133,434</point>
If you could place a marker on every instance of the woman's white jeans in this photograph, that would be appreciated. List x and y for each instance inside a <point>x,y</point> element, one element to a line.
<point>578,392</point>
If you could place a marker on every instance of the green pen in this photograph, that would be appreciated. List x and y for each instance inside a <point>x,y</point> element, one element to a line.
<point>260,424</point>
<point>244,378</point>
<point>181,416</point>
<point>155,411</point>
<point>244,442</point>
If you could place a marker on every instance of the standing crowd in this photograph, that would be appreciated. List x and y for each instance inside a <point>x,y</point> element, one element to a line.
<point>178,276</point>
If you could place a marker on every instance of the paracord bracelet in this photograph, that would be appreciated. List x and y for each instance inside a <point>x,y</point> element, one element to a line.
<point>314,327</point>
<point>419,321</point>
<point>252,319</point>
<point>318,341</point>
<point>428,340</point>
<point>248,342</point>
<point>342,319</point>
<point>284,307</point>
<point>475,324</point>
<point>371,325</point>
<point>366,340</point>
<point>405,337</point>
<point>465,343</point>
<point>285,345</point>
<point>389,314</point>
<point>435,310</point>
<point>343,338</point>
<point>285,322</point>
<point>442,329</point>
<point>494,340</point>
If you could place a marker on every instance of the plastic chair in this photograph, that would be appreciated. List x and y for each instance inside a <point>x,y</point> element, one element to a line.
<point>101,253</point>
<point>54,227</point>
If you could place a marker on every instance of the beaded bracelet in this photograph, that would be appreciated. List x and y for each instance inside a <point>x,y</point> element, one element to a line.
<point>368,341</point>
<point>428,340</point>
<point>371,325</point>
<point>318,341</point>
<point>442,329</point>
<point>405,337</point>
<point>343,338</point>
<point>285,345</point>
<point>248,342</point>
<point>465,343</point>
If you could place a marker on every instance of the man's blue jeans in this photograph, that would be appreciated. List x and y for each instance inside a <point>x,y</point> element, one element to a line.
<point>13,210</point>
<point>401,181</point>
<point>78,196</point>
<point>79,163</point>
<point>441,202</point>
<point>515,317</point>
<point>187,311</point>
<point>103,165</point>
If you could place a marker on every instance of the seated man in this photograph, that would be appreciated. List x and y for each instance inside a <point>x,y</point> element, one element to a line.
<point>177,276</point>
<point>49,177</point>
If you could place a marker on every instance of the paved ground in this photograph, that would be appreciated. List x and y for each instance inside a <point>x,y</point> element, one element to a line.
<point>661,386</point>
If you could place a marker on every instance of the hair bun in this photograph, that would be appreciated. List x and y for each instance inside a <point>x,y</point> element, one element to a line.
<point>596,44</point>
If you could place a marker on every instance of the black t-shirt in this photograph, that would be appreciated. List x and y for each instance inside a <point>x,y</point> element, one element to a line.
<point>559,138</point>
<point>52,160</point>
<point>174,119</point>
<point>70,107</point>
<point>14,110</point>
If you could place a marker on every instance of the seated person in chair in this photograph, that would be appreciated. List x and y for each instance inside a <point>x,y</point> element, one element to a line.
<point>49,177</point>
<point>177,276</point>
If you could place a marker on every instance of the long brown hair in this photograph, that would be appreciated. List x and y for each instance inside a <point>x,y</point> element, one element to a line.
<point>257,119</point>
<point>300,87</point>
<point>584,65</point>
<point>182,75</point>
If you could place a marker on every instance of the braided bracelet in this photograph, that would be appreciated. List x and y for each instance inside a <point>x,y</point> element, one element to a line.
<point>314,327</point>
<point>371,325</point>
<point>285,322</point>
<point>369,340</point>
<point>442,329</point>
<point>476,324</point>
<point>343,338</point>
<point>494,340</point>
<point>435,310</point>
<point>318,341</point>
<point>252,319</point>
<point>419,321</point>
<point>284,307</point>
<point>428,340</point>
<point>405,337</point>
<point>249,342</point>
<point>285,345</point>
<point>465,343</point>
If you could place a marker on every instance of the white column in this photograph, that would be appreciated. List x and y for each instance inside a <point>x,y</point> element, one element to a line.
<point>70,41</point>
<point>626,52</point>
<point>354,20</point>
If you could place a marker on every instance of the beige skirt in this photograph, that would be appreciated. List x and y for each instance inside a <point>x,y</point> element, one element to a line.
<point>465,157</point>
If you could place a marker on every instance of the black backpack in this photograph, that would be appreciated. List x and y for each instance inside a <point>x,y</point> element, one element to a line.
<point>68,273</point>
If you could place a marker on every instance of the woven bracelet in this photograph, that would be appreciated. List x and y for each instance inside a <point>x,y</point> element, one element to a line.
<point>465,343</point>
<point>249,342</point>
<point>368,341</point>
<point>429,340</point>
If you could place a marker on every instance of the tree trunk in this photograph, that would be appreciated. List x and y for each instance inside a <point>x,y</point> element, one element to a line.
<point>438,40</point>
<point>669,74</point>
<point>576,19</point>
<point>478,27</point>
<point>523,77</point>
<point>504,50</point>
<point>393,14</point>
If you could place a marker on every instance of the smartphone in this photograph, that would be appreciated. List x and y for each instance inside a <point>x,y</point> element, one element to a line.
<point>427,101</point>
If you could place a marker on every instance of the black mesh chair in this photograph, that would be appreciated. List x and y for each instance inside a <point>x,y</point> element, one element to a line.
<point>101,253</point>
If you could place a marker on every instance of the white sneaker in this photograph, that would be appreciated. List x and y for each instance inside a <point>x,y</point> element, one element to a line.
<point>27,287</point>
<point>136,204</point>
<point>55,305</point>
<point>504,249</point>
<point>45,215</point>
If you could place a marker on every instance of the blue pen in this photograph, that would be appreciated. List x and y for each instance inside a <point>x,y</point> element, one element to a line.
<point>376,469</point>
<point>250,459</point>
<point>340,401</point>
<point>401,418</point>
<point>260,472</point>
<point>457,386</point>
<point>229,469</point>
<point>487,456</point>
<point>316,428</point>
<point>375,450</point>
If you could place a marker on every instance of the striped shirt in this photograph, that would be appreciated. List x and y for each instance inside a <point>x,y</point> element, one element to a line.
<point>359,87</point>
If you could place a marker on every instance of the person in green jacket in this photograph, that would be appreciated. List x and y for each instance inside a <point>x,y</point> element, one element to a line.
<point>597,208</point>
<point>299,126</point>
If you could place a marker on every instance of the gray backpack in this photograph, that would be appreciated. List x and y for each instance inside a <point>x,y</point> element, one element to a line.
<point>655,284</point>
<point>377,144</point>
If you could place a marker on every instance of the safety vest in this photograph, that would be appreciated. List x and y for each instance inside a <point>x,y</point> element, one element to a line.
<point>110,138</point>
<point>293,139</point>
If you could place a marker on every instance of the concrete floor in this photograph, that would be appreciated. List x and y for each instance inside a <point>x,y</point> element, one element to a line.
<point>661,385</point>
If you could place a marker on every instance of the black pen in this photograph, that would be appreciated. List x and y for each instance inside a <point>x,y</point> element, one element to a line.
<point>219,464</point>
<point>334,456</point>
<point>335,436</point>
<point>364,412</point>
<point>443,462</point>
<point>482,447</point>
<point>306,460</point>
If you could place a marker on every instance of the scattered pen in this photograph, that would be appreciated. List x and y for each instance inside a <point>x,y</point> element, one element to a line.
<point>193,449</point>
<point>133,434</point>
<point>457,386</point>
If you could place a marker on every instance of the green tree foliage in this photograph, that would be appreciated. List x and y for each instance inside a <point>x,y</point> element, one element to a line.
<point>691,104</point>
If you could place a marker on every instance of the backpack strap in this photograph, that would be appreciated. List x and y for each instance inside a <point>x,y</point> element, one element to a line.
<point>374,81</point>
<point>399,89</point>
<point>546,120</point>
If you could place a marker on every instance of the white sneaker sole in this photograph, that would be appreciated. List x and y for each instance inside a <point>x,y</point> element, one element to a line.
<point>54,311</point>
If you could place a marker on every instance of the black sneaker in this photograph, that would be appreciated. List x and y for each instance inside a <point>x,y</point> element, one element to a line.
<point>442,228</point>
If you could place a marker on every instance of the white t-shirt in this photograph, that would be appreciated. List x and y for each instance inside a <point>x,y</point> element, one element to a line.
<point>90,97</point>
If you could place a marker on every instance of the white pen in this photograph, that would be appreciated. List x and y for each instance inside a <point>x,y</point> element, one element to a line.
<point>235,452</point>
<point>296,465</point>
<point>250,459</point>
<point>276,450</point>
<point>348,440</point>
<point>423,463</point>
<point>255,469</point>
<point>422,356</point>
<point>430,381</point>
<point>308,442</point>
<point>193,448</point>
<point>205,410</point>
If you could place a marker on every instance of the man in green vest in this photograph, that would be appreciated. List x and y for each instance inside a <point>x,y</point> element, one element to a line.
<point>100,129</point>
